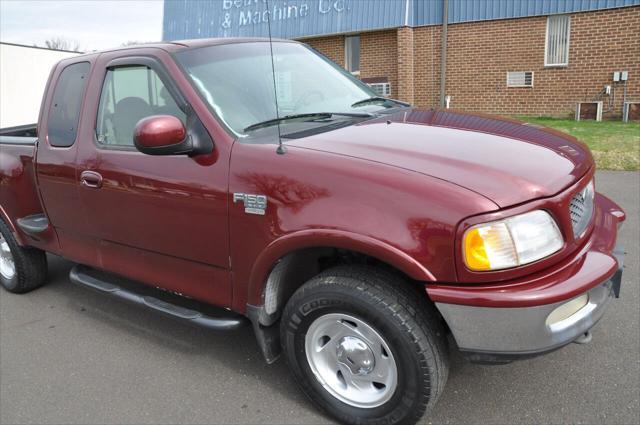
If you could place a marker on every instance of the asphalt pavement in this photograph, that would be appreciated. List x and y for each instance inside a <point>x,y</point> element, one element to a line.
<point>69,355</point>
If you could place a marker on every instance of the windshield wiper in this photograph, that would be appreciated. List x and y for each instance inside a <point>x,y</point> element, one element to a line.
<point>378,99</point>
<point>311,116</point>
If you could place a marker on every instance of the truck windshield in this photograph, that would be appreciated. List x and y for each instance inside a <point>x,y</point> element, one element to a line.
<point>237,80</point>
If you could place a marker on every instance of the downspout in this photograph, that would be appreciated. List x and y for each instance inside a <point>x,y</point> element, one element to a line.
<point>443,56</point>
<point>406,13</point>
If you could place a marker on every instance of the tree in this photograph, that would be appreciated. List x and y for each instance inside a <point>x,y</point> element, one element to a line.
<point>59,43</point>
<point>134,43</point>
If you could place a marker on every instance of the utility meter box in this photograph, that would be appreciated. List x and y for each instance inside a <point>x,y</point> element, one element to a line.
<point>620,76</point>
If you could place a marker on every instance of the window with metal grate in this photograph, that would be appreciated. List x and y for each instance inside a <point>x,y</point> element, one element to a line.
<point>352,53</point>
<point>556,51</point>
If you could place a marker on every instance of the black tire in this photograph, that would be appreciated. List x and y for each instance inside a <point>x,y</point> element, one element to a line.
<point>30,265</point>
<point>400,313</point>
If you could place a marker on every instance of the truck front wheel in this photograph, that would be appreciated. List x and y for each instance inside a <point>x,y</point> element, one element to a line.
<point>21,269</point>
<point>365,346</point>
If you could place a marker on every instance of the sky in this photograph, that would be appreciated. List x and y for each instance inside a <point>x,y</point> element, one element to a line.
<point>93,24</point>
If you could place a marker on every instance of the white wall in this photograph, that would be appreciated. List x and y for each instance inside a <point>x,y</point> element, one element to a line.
<point>23,76</point>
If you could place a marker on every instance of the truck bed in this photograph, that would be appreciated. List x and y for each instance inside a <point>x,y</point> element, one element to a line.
<point>18,194</point>
<point>19,135</point>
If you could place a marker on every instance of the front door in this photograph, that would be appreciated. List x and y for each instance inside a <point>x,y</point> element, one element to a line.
<point>158,219</point>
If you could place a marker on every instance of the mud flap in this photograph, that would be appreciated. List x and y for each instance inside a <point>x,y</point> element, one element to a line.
<point>268,337</point>
<point>616,280</point>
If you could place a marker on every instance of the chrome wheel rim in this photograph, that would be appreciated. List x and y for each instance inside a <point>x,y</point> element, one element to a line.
<point>351,360</point>
<point>7,265</point>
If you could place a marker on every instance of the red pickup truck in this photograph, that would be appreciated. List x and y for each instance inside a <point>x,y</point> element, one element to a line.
<point>238,181</point>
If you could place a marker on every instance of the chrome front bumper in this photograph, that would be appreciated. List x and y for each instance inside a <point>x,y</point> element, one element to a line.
<point>496,335</point>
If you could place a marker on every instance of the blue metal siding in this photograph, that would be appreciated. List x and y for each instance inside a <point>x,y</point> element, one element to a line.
<point>184,19</point>
<point>214,18</point>
<point>427,12</point>
<point>482,10</point>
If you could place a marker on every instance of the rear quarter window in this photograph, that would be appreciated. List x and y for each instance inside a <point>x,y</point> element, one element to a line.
<point>64,113</point>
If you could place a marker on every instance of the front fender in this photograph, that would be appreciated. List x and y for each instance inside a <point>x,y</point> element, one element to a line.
<point>319,238</point>
<point>321,200</point>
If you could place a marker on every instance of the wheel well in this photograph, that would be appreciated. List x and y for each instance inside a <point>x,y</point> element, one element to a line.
<point>294,269</point>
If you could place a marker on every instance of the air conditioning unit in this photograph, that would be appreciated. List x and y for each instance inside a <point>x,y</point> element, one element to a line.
<point>589,111</point>
<point>520,79</point>
<point>381,89</point>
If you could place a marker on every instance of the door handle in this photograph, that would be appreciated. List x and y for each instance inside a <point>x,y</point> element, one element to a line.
<point>91,179</point>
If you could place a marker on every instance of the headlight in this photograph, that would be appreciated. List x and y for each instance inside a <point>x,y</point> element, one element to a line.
<point>511,242</point>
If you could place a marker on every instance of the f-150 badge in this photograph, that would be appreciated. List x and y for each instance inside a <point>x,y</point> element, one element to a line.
<point>253,204</point>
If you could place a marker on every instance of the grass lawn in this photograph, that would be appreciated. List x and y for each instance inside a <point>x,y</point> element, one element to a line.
<point>615,145</point>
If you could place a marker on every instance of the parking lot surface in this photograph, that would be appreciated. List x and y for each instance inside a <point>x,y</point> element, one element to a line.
<point>69,355</point>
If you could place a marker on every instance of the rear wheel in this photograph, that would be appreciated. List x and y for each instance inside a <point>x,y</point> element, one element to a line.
<point>364,346</point>
<point>21,269</point>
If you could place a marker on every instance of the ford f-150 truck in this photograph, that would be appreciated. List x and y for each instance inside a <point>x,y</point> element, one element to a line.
<point>227,182</point>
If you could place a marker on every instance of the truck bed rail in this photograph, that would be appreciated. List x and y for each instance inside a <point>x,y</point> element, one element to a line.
<point>19,135</point>
<point>12,140</point>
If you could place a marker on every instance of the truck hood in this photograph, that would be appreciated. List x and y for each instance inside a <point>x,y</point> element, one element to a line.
<point>505,160</point>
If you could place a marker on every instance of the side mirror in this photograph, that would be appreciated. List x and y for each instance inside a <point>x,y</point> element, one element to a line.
<point>162,135</point>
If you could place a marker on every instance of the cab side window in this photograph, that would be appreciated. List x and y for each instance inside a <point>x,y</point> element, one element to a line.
<point>130,94</point>
<point>64,113</point>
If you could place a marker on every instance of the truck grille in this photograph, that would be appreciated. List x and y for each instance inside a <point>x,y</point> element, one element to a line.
<point>581,210</point>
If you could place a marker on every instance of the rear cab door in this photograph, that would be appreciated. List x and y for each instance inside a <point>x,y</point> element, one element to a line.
<point>55,159</point>
<point>161,220</point>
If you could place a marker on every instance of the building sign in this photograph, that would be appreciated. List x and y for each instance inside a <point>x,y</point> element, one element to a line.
<point>241,13</point>
<point>186,19</point>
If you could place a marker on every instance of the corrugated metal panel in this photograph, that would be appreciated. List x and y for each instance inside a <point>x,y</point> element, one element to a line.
<point>426,12</point>
<point>185,19</point>
<point>481,10</point>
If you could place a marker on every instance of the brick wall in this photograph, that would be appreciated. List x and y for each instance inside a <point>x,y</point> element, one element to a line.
<point>479,54</point>
<point>378,54</point>
<point>427,44</point>
<point>378,57</point>
<point>406,71</point>
<point>332,47</point>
